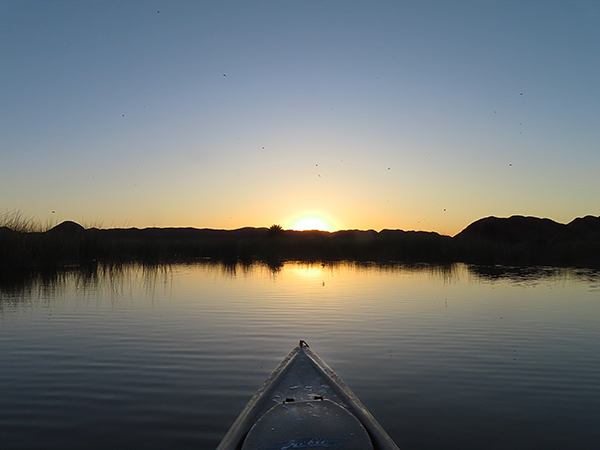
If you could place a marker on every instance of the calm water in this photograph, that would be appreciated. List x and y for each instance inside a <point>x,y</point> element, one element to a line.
<point>452,358</point>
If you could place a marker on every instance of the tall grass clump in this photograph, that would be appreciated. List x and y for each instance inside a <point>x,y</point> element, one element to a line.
<point>16,220</point>
<point>26,243</point>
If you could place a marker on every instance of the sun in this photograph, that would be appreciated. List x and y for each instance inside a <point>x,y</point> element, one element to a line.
<point>311,224</point>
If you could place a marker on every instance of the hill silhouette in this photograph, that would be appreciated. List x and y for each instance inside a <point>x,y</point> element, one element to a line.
<point>515,240</point>
<point>530,240</point>
<point>521,229</point>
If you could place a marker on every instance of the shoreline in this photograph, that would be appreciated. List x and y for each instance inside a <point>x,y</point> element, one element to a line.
<point>517,240</point>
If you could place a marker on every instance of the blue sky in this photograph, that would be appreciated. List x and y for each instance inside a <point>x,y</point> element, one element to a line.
<point>389,114</point>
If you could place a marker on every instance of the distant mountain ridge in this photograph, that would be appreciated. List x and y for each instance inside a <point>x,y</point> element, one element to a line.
<point>521,229</point>
<point>516,240</point>
<point>510,230</point>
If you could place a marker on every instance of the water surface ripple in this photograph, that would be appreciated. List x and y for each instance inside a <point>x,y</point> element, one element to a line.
<point>444,357</point>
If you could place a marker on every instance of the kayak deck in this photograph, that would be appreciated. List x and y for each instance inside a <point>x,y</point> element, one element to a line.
<point>303,395</point>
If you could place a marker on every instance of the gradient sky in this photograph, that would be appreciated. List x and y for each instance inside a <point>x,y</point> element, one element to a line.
<point>420,115</point>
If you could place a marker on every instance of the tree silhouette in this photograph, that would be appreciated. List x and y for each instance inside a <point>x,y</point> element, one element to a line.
<point>275,230</point>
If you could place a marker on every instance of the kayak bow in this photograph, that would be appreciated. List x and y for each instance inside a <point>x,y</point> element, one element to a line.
<point>305,404</point>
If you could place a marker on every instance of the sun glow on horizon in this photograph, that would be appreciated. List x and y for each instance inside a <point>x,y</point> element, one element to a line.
<point>311,223</point>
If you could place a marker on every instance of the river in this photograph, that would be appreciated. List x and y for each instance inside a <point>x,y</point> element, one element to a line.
<point>453,357</point>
